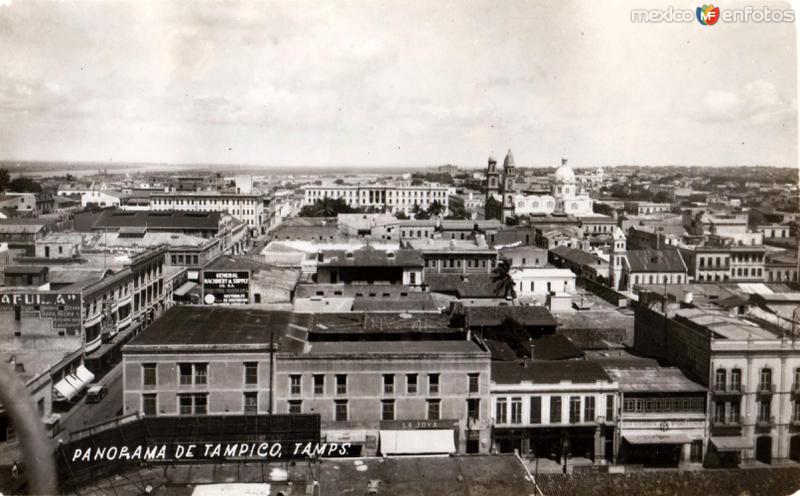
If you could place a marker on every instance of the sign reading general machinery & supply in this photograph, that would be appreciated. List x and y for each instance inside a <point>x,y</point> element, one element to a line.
<point>226,288</point>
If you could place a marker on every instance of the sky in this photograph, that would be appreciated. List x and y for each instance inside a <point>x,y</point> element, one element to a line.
<point>388,83</point>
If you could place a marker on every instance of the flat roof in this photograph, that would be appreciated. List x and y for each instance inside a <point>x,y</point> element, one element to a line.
<point>395,347</point>
<point>216,327</point>
<point>653,379</point>
<point>723,325</point>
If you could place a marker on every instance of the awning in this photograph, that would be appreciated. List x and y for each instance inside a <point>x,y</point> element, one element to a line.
<point>76,383</point>
<point>418,442</point>
<point>345,436</point>
<point>671,438</point>
<point>64,390</point>
<point>84,374</point>
<point>184,288</point>
<point>734,443</point>
<point>51,420</point>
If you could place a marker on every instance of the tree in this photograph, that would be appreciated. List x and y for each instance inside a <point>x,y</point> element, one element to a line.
<point>457,211</point>
<point>326,207</point>
<point>419,214</point>
<point>5,179</point>
<point>339,181</point>
<point>400,215</point>
<point>25,185</point>
<point>503,280</point>
<point>435,208</point>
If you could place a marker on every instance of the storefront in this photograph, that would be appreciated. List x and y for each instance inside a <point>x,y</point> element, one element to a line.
<point>728,450</point>
<point>72,385</point>
<point>418,437</point>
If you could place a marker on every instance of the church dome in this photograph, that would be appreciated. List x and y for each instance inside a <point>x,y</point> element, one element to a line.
<point>564,174</point>
<point>508,162</point>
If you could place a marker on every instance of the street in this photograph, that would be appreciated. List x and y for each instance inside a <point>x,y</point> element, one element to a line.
<point>84,415</point>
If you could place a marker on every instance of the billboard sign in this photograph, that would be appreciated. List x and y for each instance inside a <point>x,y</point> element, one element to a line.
<point>226,288</point>
<point>62,309</point>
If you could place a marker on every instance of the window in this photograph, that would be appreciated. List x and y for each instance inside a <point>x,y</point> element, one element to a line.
<point>189,404</point>
<point>433,384</point>
<point>501,413</point>
<point>720,379</point>
<point>516,410</point>
<point>796,411</point>
<point>340,410</point>
<point>387,410</point>
<point>319,384</point>
<point>149,404</point>
<point>149,374</point>
<point>474,383</point>
<point>434,409</point>
<point>251,373</point>
<point>411,383</point>
<point>536,409</point>
<point>719,412</point>
<point>185,373</point>
<point>574,409</point>
<point>588,409</point>
<point>473,409</point>
<point>201,373</point>
<point>736,380</point>
<point>295,384</point>
<point>609,407</point>
<point>764,410</point>
<point>341,384</point>
<point>295,407</point>
<point>555,409</point>
<point>250,403</point>
<point>734,413</point>
<point>388,383</point>
<point>766,380</point>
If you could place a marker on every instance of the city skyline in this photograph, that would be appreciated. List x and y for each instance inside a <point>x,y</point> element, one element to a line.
<point>325,85</point>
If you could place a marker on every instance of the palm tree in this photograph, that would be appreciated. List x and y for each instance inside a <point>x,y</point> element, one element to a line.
<point>503,280</point>
<point>435,208</point>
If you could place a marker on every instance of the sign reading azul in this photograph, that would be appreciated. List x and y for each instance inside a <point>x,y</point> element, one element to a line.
<point>63,309</point>
<point>227,288</point>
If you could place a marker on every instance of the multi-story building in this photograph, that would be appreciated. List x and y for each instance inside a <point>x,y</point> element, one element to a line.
<point>40,338</point>
<point>370,266</point>
<point>554,408</point>
<point>722,260</point>
<point>753,374</point>
<point>249,209</point>
<point>453,255</point>
<point>654,267</point>
<point>662,419</point>
<point>424,395</point>
<point>646,208</point>
<point>394,197</point>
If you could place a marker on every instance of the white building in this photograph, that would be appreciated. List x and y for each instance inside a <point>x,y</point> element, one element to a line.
<point>395,197</point>
<point>246,208</point>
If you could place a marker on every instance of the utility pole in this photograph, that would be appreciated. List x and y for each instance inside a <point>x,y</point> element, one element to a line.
<point>271,369</point>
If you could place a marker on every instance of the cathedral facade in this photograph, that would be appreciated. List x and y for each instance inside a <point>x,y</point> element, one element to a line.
<point>503,200</point>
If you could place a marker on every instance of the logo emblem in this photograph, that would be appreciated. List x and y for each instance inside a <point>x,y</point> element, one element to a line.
<point>708,15</point>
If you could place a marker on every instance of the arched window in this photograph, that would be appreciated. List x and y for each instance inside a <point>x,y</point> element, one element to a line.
<point>721,378</point>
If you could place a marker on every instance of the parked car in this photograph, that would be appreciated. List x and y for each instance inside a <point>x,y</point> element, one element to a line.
<point>96,393</point>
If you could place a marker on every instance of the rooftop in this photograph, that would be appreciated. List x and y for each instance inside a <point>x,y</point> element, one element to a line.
<point>371,257</point>
<point>394,347</point>
<point>666,260</point>
<point>207,327</point>
<point>495,315</point>
<point>652,379</point>
<point>548,372</point>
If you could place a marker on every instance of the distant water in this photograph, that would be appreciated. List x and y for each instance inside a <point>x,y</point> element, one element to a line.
<point>83,169</point>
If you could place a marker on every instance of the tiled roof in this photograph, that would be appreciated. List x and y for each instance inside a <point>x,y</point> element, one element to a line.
<point>173,220</point>
<point>371,257</point>
<point>548,372</point>
<point>648,260</point>
<point>495,315</point>
<point>576,255</point>
<point>464,285</point>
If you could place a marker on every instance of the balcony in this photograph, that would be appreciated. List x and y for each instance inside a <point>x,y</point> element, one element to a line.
<point>795,389</point>
<point>728,389</point>
<point>764,423</point>
<point>765,389</point>
<point>731,426</point>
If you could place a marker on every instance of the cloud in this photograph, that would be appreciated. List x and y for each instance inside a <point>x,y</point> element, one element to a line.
<point>756,103</point>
